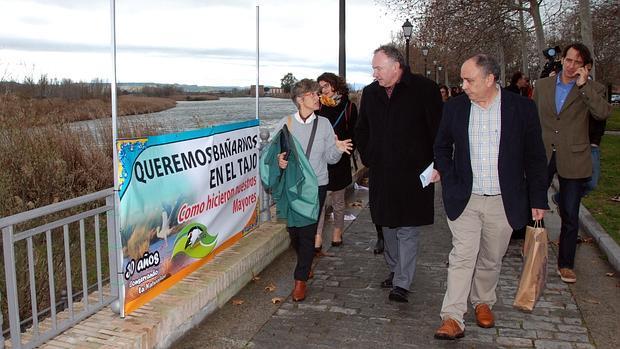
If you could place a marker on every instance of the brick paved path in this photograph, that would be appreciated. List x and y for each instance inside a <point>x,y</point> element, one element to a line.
<point>346,308</point>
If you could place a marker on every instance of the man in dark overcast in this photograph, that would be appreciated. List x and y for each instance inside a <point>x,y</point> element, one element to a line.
<point>398,119</point>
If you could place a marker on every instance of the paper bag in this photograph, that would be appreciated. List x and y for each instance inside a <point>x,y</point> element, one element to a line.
<point>534,274</point>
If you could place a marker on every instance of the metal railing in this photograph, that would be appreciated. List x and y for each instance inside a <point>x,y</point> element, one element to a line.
<point>45,324</point>
<point>42,257</point>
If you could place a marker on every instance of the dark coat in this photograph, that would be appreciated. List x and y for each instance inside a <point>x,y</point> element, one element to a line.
<point>395,139</point>
<point>340,172</point>
<point>522,163</point>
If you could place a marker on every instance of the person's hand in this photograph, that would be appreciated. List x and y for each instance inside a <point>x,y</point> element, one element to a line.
<point>538,214</point>
<point>552,73</point>
<point>344,146</point>
<point>582,75</point>
<point>281,162</point>
<point>435,176</point>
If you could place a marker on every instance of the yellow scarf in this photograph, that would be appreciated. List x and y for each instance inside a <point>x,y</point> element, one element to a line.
<point>330,101</point>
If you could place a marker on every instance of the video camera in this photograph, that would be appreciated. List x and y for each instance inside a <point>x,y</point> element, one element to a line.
<point>553,61</point>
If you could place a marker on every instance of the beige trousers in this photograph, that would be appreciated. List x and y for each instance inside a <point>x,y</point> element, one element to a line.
<point>336,200</point>
<point>480,238</point>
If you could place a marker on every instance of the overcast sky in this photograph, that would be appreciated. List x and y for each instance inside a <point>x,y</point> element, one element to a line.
<point>198,42</point>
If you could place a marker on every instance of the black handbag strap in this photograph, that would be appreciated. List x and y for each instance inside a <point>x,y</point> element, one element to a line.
<point>312,134</point>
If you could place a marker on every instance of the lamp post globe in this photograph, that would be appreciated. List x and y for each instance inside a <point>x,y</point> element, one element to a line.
<point>407,31</point>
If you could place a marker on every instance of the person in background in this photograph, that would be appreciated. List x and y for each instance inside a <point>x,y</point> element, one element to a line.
<point>342,114</point>
<point>529,91</point>
<point>325,148</point>
<point>454,91</point>
<point>398,119</point>
<point>565,103</point>
<point>596,130</point>
<point>490,155</point>
<point>445,93</point>
<point>518,84</point>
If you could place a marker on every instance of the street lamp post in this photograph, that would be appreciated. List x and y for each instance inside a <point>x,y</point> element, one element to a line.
<point>425,53</point>
<point>439,74</point>
<point>407,30</point>
<point>435,65</point>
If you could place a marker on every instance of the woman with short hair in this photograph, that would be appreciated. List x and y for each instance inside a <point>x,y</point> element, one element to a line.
<point>314,132</point>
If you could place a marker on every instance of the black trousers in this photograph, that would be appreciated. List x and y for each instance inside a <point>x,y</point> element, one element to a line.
<point>571,191</point>
<point>302,239</point>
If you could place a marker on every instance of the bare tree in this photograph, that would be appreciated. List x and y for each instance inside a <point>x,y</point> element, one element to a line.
<point>605,28</point>
<point>586,28</point>
<point>459,27</point>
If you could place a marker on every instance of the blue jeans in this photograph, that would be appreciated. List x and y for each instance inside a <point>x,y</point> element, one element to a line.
<point>596,170</point>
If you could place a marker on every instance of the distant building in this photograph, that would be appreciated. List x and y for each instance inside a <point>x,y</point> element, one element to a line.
<point>261,90</point>
<point>275,91</point>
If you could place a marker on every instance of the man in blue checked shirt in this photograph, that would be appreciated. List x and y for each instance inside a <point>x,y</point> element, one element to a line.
<point>490,155</point>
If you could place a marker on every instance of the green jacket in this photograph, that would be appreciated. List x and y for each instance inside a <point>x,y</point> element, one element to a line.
<point>295,189</point>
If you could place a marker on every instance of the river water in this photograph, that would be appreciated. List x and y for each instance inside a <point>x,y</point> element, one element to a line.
<point>195,115</point>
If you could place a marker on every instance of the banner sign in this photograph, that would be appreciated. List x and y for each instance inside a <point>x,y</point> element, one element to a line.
<point>183,198</point>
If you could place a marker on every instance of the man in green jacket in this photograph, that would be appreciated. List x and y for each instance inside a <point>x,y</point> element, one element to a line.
<point>565,103</point>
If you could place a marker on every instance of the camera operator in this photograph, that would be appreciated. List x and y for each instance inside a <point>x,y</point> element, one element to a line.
<point>565,102</point>
<point>553,65</point>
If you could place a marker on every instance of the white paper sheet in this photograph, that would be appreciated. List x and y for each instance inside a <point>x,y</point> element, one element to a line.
<point>425,176</point>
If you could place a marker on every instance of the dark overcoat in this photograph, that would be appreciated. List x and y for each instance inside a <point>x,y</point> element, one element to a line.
<point>522,164</point>
<point>395,139</point>
<point>343,118</point>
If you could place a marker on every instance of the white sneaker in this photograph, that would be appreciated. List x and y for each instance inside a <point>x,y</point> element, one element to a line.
<point>349,217</point>
<point>359,187</point>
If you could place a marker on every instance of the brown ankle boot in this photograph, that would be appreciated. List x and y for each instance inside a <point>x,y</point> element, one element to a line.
<point>299,292</point>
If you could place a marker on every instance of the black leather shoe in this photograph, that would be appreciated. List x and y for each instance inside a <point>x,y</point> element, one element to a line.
<point>387,283</point>
<point>399,294</point>
<point>337,243</point>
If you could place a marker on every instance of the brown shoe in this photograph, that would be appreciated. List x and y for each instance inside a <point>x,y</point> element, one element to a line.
<point>484,316</point>
<point>567,275</point>
<point>299,292</point>
<point>449,329</point>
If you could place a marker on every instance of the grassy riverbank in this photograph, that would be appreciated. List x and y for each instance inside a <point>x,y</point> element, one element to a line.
<point>44,161</point>
<point>16,111</point>
<point>194,97</point>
